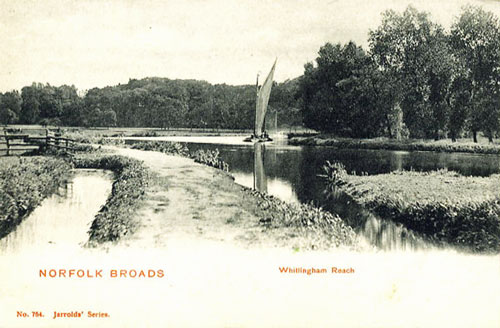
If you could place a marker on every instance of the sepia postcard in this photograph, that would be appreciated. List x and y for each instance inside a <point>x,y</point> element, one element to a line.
<point>266,163</point>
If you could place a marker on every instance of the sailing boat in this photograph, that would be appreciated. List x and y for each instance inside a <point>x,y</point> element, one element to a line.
<point>262,99</point>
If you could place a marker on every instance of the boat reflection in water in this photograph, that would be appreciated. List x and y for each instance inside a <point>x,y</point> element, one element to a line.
<point>259,173</point>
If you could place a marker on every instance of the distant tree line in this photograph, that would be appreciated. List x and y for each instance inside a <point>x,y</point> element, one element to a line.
<point>416,80</point>
<point>150,102</point>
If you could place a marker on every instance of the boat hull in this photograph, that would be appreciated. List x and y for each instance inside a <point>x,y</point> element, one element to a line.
<point>257,139</point>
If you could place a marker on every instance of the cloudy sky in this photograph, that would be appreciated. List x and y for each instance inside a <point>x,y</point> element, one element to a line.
<point>92,43</point>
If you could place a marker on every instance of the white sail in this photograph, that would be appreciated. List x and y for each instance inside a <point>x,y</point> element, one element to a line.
<point>263,94</point>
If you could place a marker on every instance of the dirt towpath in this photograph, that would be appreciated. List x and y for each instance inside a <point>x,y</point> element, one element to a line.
<point>192,202</point>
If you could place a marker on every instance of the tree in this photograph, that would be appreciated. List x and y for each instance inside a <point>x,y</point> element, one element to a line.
<point>475,38</point>
<point>460,102</point>
<point>414,51</point>
<point>336,97</point>
<point>108,118</point>
<point>285,99</point>
<point>50,102</point>
<point>10,107</point>
<point>30,109</point>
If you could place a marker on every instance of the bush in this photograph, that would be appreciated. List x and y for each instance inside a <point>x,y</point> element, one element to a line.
<point>336,174</point>
<point>210,158</point>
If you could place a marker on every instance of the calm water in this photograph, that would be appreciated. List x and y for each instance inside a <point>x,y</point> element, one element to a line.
<point>63,219</point>
<point>292,174</point>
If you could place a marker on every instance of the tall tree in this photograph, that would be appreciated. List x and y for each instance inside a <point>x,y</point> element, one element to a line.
<point>30,109</point>
<point>413,49</point>
<point>333,97</point>
<point>475,38</point>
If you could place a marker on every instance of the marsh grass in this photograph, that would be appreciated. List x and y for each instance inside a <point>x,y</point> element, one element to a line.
<point>463,211</point>
<point>321,228</point>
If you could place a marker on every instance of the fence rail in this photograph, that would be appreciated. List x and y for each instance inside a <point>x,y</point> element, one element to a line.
<point>14,143</point>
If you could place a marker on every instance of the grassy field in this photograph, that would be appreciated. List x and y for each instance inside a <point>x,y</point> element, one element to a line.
<point>82,132</point>
<point>444,145</point>
<point>463,211</point>
<point>125,131</point>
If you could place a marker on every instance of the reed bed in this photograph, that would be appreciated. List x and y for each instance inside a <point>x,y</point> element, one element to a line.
<point>320,228</point>
<point>463,211</point>
<point>24,183</point>
<point>210,158</point>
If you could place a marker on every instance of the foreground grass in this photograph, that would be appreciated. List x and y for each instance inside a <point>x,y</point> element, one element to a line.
<point>464,211</point>
<point>404,145</point>
<point>24,183</point>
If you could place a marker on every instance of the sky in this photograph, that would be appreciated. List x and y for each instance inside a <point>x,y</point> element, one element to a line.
<point>90,43</point>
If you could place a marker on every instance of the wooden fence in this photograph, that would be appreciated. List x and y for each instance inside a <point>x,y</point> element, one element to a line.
<point>13,142</point>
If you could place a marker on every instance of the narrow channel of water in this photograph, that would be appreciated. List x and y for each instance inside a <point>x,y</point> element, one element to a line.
<point>63,219</point>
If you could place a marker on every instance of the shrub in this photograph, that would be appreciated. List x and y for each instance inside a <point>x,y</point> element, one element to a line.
<point>210,158</point>
<point>335,173</point>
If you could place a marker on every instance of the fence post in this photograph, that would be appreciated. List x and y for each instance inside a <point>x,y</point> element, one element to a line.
<point>6,141</point>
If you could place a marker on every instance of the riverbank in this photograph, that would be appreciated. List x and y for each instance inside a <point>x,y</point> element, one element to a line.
<point>189,200</point>
<point>462,146</point>
<point>462,211</point>
<point>195,194</point>
<point>115,219</point>
<point>24,183</point>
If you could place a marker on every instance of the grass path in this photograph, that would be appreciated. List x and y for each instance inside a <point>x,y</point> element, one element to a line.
<point>190,202</point>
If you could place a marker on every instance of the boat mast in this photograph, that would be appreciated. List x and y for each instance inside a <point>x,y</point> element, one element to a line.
<point>256,106</point>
